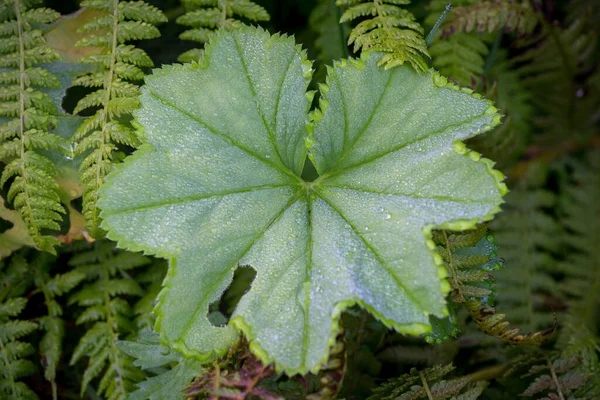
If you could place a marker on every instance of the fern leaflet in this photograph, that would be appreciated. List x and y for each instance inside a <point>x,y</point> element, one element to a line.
<point>506,143</point>
<point>580,200</point>
<point>13,364</point>
<point>555,69</point>
<point>109,316</point>
<point>387,28</point>
<point>428,384</point>
<point>489,16</point>
<point>28,116</point>
<point>204,16</point>
<point>52,323</point>
<point>116,97</point>
<point>563,378</point>
<point>528,235</point>
<point>460,56</point>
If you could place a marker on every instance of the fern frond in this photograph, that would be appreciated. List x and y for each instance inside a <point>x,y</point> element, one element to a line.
<point>13,364</point>
<point>490,16</point>
<point>460,56</point>
<point>469,258</point>
<point>555,69</point>
<point>506,143</point>
<point>205,16</point>
<point>494,324</point>
<point>33,191</point>
<point>528,235</point>
<point>115,98</point>
<point>562,378</point>
<point>108,315</point>
<point>52,323</point>
<point>331,35</point>
<point>151,279</point>
<point>391,30</point>
<point>428,384</point>
<point>579,202</point>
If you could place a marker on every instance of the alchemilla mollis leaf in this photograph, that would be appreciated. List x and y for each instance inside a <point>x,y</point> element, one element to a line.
<point>217,184</point>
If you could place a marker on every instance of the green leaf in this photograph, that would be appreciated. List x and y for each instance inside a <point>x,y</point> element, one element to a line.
<point>169,385</point>
<point>216,184</point>
<point>148,351</point>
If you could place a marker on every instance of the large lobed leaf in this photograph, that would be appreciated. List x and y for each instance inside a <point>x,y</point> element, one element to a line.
<point>217,184</point>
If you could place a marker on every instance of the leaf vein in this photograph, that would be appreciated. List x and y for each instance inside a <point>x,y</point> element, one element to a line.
<point>366,125</point>
<point>410,196</point>
<point>403,145</point>
<point>375,253</point>
<point>169,202</point>
<point>258,236</point>
<point>223,136</point>
<point>253,90</point>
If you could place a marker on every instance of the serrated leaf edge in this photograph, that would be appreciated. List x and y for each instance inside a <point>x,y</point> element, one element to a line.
<point>314,116</point>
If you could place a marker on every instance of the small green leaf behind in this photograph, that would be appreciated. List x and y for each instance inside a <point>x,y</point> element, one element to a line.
<point>225,190</point>
<point>150,354</point>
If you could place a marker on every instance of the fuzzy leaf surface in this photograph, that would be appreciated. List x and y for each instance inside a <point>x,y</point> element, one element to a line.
<point>217,183</point>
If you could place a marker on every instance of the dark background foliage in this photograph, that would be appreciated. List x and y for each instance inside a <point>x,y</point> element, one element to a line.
<point>538,266</point>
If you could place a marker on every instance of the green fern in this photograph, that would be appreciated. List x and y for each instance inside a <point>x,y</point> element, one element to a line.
<point>428,384</point>
<point>27,114</point>
<point>506,143</point>
<point>52,323</point>
<point>468,257</point>
<point>490,16</point>
<point>204,16</point>
<point>460,56</point>
<point>13,364</point>
<point>386,28</point>
<point>151,280</point>
<point>555,69</point>
<point>563,378</point>
<point>579,202</point>
<point>119,65</point>
<point>331,35</point>
<point>108,315</point>
<point>528,235</point>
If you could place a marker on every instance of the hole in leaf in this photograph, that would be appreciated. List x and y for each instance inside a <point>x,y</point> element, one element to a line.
<point>220,311</point>
<point>309,173</point>
<point>5,225</point>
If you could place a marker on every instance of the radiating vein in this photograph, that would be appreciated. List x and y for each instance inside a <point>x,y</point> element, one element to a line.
<point>169,202</point>
<point>407,196</point>
<point>403,145</point>
<point>253,90</point>
<point>225,137</point>
<point>375,253</point>
<point>226,271</point>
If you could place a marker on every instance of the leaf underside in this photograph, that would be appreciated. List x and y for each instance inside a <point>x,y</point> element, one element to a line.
<point>217,184</point>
